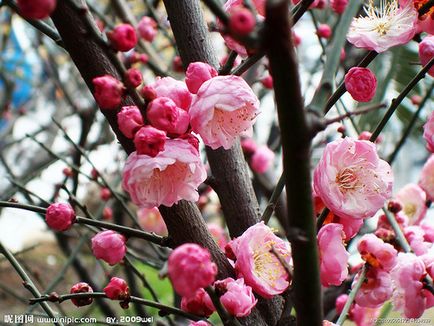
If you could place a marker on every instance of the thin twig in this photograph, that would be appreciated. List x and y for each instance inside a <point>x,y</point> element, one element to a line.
<point>273,199</point>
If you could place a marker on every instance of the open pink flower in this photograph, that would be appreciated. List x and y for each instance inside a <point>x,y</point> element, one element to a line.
<point>361,316</point>
<point>413,201</point>
<point>350,178</point>
<point>174,89</point>
<point>260,268</point>
<point>428,132</point>
<point>238,298</point>
<point>36,9</point>
<point>60,216</point>
<point>375,290</point>
<point>333,255</point>
<point>150,220</point>
<point>426,181</point>
<point>408,296</point>
<point>361,83</point>
<point>415,236</point>
<point>199,304</point>
<point>224,108</point>
<point>172,175</point>
<point>377,253</point>
<point>147,28</point>
<point>383,27</point>
<point>190,268</point>
<point>197,73</point>
<point>109,246</point>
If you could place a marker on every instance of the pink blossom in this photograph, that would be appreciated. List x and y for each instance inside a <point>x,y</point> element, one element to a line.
<point>361,83</point>
<point>426,52</point>
<point>267,82</point>
<point>133,77</point>
<point>107,213</point>
<point>224,108</point>
<point>333,255</point>
<point>238,298</point>
<point>241,21</point>
<point>147,28</point>
<point>174,174</point>
<point>197,73</point>
<point>191,139</point>
<point>149,141</point>
<point>81,287</point>
<point>377,253</point>
<point>190,268</point>
<point>151,220</point>
<point>199,304</point>
<point>338,6</point>
<point>262,159</point>
<point>350,178</point>
<point>36,9</point>
<point>163,114</point>
<point>425,23</point>
<point>428,229</point>
<point>260,268</point>
<point>375,290</point>
<point>177,64</point>
<point>148,93</point>
<point>426,181</point>
<point>117,289</point>
<point>108,91</point>
<point>199,323</point>
<point>219,235</point>
<point>123,37</point>
<point>408,296</point>
<point>415,236</point>
<point>413,202</point>
<point>324,31</point>
<point>109,246</point>
<point>249,146</point>
<point>428,132</point>
<point>383,27</point>
<point>60,216</point>
<point>105,194</point>
<point>362,316</point>
<point>174,89</point>
<point>130,120</point>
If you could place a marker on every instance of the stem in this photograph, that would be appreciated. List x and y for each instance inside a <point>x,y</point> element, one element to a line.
<point>360,111</point>
<point>296,143</point>
<point>129,232</point>
<point>273,199</point>
<point>351,297</point>
<point>397,101</point>
<point>27,282</point>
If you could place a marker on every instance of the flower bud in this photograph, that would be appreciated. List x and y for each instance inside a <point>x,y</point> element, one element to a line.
<point>148,93</point>
<point>426,51</point>
<point>262,159</point>
<point>163,114</point>
<point>117,289</point>
<point>324,31</point>
<point>147,28</point>
<point>108,91</point>
<point>123,37</point>
<point>338,6</point>
<point>109,246</point>
<point>238,298</point>
<point>197,73</point>
<point>133,77</point>
<point>361,83</point>
<point>130,120</point>
<point>81,287</point>
<point>60,216</point>
<point>241,21</point>
<point>199,304</point>
<point>105,194</point>
<point>107,213</point>
<point>177,64</point>
<point>267,82</point>
<point>149,141</point>
<point>36,9</point>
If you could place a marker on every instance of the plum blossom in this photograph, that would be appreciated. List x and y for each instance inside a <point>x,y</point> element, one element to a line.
<point>426,181</point>
<point>407,275</point>
<point>375,290</point>
<point>338,6</point>
<point>147,28</point>
<point>425,23</point>
<point>109,246</point>
<point>241,21</point>
<point>133,77</point>
<point>81,287</point>
<point>428,132</point>
<point>262,159</point>
<point>197,73</point>
<point>224,108</point>
<point>333,255</point>
<point>426,51</point>
<point>361,83</point>
<point>117,289</point>
<point>108,91</point>
<point>150,220</point>
<point>238,298</point>
<point>199,304</point>
<point>130,120</point>
<point>260,268</point>
<point>324,31</point>
<point>350,178</point>
<point>123,37</point>
<point>149,141</point>
<point>377,253</point>
<point>36,9</point>
<point>173,174</point>
<point>413,202</point>
<point>60,216</point>
<point>174,89</point>
<point>219,235</point>
<point>362,316</point>
<point>383,27</point>
<point>415,236</point>
<point>190,268</point>
<point>163,114</point>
